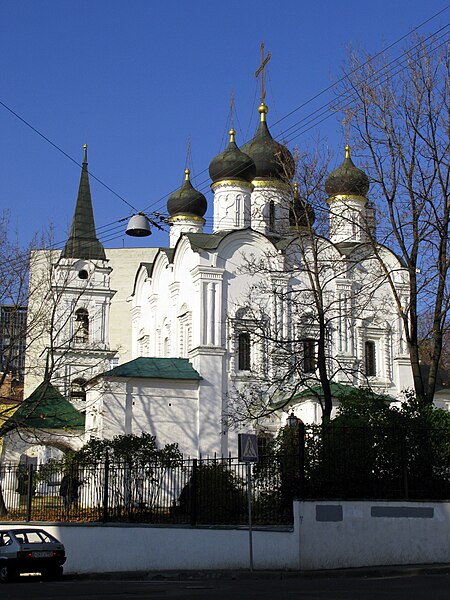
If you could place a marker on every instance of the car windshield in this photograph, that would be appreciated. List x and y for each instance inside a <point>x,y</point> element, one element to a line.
<point>33,537</point>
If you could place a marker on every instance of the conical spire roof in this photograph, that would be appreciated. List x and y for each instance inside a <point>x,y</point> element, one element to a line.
<point>83,242</point>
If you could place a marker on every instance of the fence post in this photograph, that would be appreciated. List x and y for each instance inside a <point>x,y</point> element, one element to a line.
<point>301,459</point>
<point>194,493</point>
<point>404,462</point>
<point>106,489</point>
<point>29,491</point>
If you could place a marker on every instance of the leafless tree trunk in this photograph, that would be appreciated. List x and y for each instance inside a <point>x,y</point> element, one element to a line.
<point>399,113</point>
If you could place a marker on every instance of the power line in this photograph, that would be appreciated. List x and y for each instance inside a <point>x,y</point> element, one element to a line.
<point>205,182</point>
<point>25,122</point>
<point>331,86</point>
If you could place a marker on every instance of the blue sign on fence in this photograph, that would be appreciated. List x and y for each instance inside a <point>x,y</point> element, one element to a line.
<point>248,447</point>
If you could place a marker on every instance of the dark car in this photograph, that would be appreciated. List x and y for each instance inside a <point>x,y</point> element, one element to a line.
<point>30,551</point>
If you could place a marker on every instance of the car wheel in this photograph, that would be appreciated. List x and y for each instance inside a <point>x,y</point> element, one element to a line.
<point>6,573</point>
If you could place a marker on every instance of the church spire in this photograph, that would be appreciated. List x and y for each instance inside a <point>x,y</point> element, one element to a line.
<point>83,242</point>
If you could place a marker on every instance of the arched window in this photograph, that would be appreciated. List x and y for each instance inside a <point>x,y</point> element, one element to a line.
<point>243,351</point>
<point>370,358</point>
<point>81,325</point>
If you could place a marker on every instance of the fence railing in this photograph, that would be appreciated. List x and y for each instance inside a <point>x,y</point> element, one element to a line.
<point>324,463</point>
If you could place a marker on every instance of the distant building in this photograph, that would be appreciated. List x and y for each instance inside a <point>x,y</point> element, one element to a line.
<point>13,330</point>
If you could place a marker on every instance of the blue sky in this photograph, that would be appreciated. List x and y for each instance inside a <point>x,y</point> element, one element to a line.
<point>136,80</point>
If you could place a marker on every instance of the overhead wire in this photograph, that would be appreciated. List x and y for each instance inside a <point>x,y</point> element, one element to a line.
<point>308,121</point>
<point>205,183</point>
<point>25,122</point>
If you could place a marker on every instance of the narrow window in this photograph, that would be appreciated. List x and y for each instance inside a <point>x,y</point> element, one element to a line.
<point>309,355</point>
<point>82,325</point>
<point>272,215</point>
<point>371,367</point>
<point>244,351</point>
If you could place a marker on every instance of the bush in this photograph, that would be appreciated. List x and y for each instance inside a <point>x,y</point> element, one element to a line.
<point>213,494</point>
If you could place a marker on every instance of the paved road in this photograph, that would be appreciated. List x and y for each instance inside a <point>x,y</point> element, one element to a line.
<point>397,587</point>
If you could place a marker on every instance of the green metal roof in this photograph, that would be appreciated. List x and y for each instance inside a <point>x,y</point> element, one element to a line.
<point>206,241</point>
<point>155,368</point>
<point>47,408</point>
<point>338,391</point>
<point>83,242</point>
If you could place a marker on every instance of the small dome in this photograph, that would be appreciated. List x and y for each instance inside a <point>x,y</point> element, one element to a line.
<point>301,213</point>
<point>272,160</point>
<point>186,200</point>
<point>232,164</point>
<point>347,179</point>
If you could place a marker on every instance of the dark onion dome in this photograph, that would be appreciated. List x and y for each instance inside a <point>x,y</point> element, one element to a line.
<point>232,164</point>
<point>301,213</point>
<point>187,200</point>
<point>347,180</point>
<point>272,160</point>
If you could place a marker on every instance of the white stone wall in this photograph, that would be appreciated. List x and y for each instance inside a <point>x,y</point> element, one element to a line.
<point>124,263</point>
<point>166,408</point>
<point>335,535</point>
<point>325,535</point>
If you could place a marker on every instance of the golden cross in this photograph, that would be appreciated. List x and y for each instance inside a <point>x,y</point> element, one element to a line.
<point>264,62</point>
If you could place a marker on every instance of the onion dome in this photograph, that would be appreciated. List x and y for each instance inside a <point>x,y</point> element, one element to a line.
<point>301,213</point>
<point>272,160</point>
<point>232,164</point>
<point>347,179</point>
<point>186,200</point>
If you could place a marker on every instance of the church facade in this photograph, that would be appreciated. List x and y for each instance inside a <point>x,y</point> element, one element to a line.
<point>229,330</point>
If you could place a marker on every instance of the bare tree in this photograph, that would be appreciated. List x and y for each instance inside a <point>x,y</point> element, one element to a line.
<point>305,305</point>
<point>54,334</point>
<point>399,112</point>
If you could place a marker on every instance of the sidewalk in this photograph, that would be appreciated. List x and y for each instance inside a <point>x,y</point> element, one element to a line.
<point>362,572</point>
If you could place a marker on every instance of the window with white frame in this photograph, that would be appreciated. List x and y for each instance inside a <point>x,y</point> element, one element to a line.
<point>244,327</point>
<point>309,355</point>
<point>370,358</point>
<point>77,391</point>
<point>185,331</point>
<point>244,351</point>
<point>144,343</point>
<point>81,325</point>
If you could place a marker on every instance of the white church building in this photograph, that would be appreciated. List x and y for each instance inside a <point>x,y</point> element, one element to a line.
<point>183,341</point>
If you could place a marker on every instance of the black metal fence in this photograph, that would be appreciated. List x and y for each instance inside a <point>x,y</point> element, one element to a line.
<point>193,492</point>
<point>324,463</point>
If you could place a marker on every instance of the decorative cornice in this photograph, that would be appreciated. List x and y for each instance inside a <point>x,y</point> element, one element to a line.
<point>348,197</point>
<point>179,218</point>
<point>231,183</point>
<point>271,183</point>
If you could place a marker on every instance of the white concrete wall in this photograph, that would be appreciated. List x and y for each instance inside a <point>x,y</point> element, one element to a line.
<point>326,535</point>
<point>336,535</point>
<point>165,408</point>
<point>124,263</point>
<point>96,549</point>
